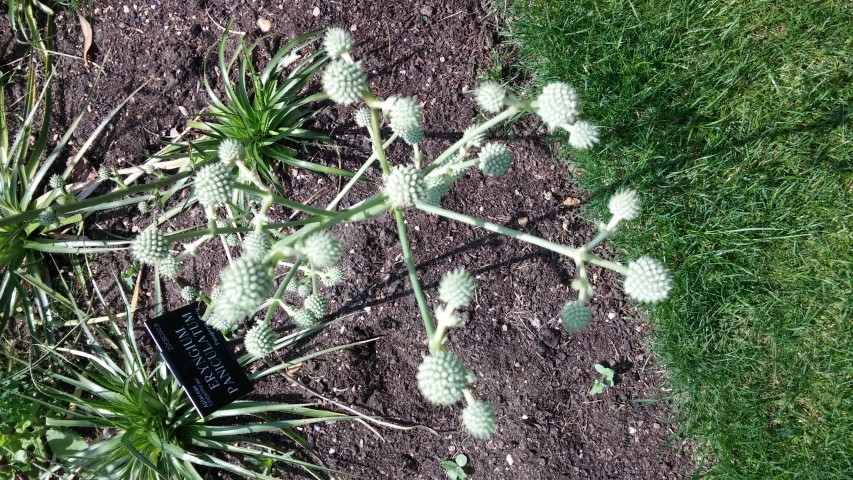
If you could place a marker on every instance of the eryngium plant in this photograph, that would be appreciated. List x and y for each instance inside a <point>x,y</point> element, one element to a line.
<point>138,423</point>
<point>304,253</point>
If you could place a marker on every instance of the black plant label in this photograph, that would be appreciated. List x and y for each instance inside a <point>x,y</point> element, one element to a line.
<point>199,358</point>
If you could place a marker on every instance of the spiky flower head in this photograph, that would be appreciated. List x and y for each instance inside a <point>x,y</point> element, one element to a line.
<point>230,151</point>
<point>437,187</point>
<point>479,419</point>
<point>344,82</point>
<point>224,317</point>
<point>246,283</point>
<point>495,159</point>
<point>456,288</point>
<point>412,135</point>
<point>189,293</point>
<point>104,173</point>
<point>216,293</point>
<point>583,135</point>
<point>316,304</point>
<point>303,290</point>
<point>575,316</point>
<point>149,169</point>
<point>475,141</point>
<point>442,376</point>
<point>362,117</point>
<point>232,239</point>
<point>321,249</point>
<point>47,217</point>
<point>169,267</point>
<point>490,97</point>
<point>332,276</point>
<point>214,184</point>
<point>404,113</point>
<point>56,181</point>
<point>150,246</point>
<point>260,340</point>
<point>647,280</point>
<point>256,244</point>
<point>143,207</point>
<point>337,42</point>
<point>304,319</point>
<point>625,204</point>
<point>558,105</point>
<point>404,186</point>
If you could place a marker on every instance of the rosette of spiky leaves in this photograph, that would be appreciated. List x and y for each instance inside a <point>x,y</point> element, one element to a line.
<point>265,110</point>
<point>456,288</point>
<point>442,377</point>
<point>575,316</point>
<point>479,419</point>
<point>647,280</point>
<point>404,186</point>
<point>260,340</point>
<point>321,249</point>
<point>134,421</point>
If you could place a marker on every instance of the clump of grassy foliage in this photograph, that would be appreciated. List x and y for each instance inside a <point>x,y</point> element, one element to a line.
<point>734,119</point>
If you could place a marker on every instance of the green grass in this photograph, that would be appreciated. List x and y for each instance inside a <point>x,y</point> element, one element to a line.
<point>732,118</point>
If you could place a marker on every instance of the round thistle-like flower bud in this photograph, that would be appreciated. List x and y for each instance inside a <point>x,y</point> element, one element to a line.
<point>625,204</point>
<point>256,244</point>
<point>559,104</point>
<point>332,276</point>
<point>583,135</point>
<point>169,267</point>
<point>222,322</point>
<point>412,135</point>
<point>337,42</point>
<point>575,316</point>
<point>404,186</point>
<point>495,159</point>
<point>344,82</point>
<point>260,340</point>
<point>490,97</point>
<point>246,283</point>
<point>442,376</point>
<point>321,249</point>
<point>316,304</point>
<point>303,290</point>
<point>304,319</point>
<point>404,114</point>
<point>56,181</point>
<point>149,169</point>
<point>215,294</point>
<point>214,184</point>
<point>224,315</point>
<point>150,246</point>
<point>647,280</point>
<point>232,239</point>
<point>143,207</point>
<point>437,187</point>
<point>230,151</point>
<point>479,419</point>
<point>104,173</point>
<point>477,140</point>
<point>189,293</point>
<point>456,288</point>
<point>362,117</point>
<point>47,217</point>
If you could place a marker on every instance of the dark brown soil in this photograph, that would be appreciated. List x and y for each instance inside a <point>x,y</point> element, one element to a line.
<point>533,372</point>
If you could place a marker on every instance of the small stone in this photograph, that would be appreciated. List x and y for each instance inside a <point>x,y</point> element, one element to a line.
<point>509,459</point>
<point>547,195</point>
<point>125,9</point>
<point>611,315</point>
<point>632,430</point>
<point>656,426</point>
<point>522,221</point>
<point>572,202</point>
<point>264,24</point>
<point>353,27</point>
<point>316,12</point>
<point>426,11</point>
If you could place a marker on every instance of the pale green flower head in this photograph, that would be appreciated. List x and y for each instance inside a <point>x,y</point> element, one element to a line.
<point>625,204</point>
<point>260,340</point>
<point>246,283</point>
<point>321,249</point>
<point>456,288</point>
<point>230,151</point>
<point>47,217</point>
<point>189,293</point>
<point>437,187</point>
<point>647,280</point>
<point>412,135</point>
<point>344,82</point>
<point>404,186</point>
<point>337,42</point>
<point>479,419</point>
<point>362,117</point>
<point>404,114</point>
<point>214,184</point>
<point>143,207</point>
<point>224,315</point>
<point>256,244</point>
<point>442,377</point>
<point>332,276</point>
<point>316,304</point>
<point>104,173</point>
<point>150,246</point>
<point>575,316</point>
<point>583,135</point>
<point>56,181</point>
<point>304,319</point>
<point>169,267</point>
<point>495,159</point>
<point>490,97</point>
<point>303,290</point>
<point>558,105</point>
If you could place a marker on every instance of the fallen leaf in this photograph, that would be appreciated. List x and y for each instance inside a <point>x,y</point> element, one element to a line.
<point>87,36</point>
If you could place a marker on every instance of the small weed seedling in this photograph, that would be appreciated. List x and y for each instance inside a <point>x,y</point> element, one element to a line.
<point>454,468</point>
<point>606,380</point>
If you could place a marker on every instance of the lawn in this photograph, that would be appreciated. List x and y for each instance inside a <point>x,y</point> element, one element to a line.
<point>733,120</point>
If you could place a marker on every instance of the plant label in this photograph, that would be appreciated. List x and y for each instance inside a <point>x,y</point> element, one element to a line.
<point>199,358</point>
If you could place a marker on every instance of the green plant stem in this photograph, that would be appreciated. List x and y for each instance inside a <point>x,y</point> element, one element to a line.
<point>361,171</point>
<point>413,275</point>
<point>375,133</point>
<point>280,292</point>
<point>368,208</point>
<point>282,200</point>
<point>505,115</point>
<point>469,397</point>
